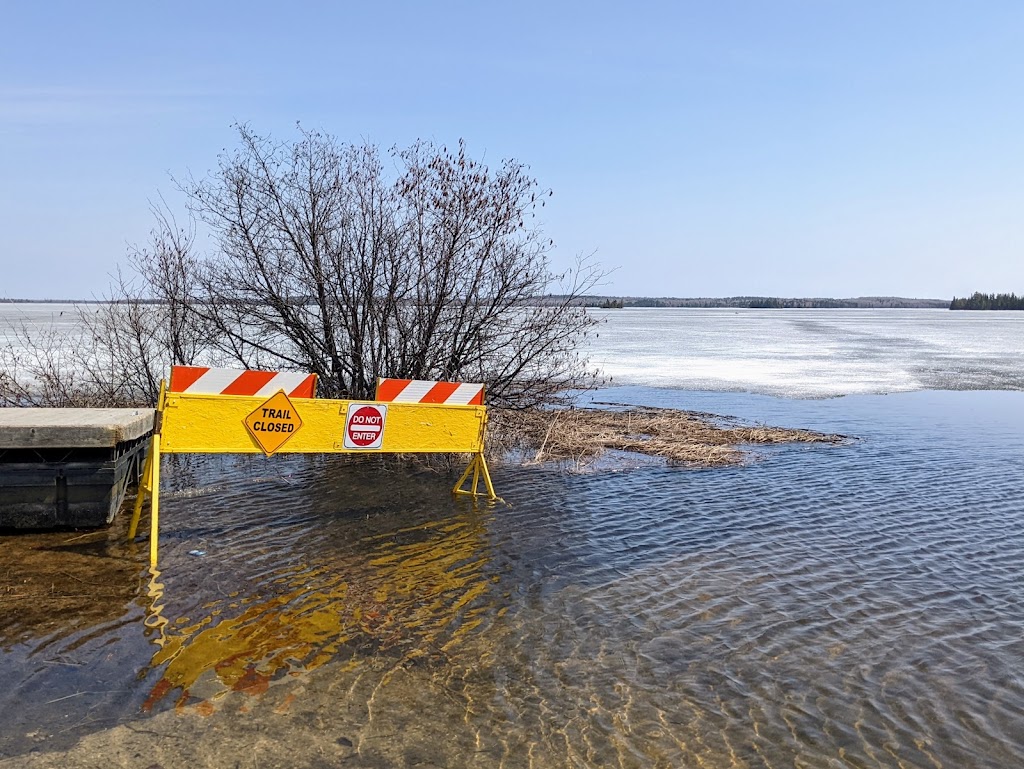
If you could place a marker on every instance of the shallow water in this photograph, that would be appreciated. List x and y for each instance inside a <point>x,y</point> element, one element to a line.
<point>854,605</point>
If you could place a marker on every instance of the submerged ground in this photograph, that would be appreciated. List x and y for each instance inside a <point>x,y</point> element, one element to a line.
<point>850,605</point>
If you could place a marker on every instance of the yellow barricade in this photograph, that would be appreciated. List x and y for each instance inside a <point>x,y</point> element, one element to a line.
<point>200,423</point>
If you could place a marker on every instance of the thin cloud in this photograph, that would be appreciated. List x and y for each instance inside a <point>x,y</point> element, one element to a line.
<point>24,107</point>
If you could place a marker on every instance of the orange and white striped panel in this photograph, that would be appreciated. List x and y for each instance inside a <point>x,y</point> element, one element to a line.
<point>232,381</point>
<point>423,391</point>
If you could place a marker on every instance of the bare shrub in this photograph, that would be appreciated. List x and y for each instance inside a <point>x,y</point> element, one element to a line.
<point>123,344</point>
<point>39,367</point>
<point>326,262</point>
<point>339,260</point>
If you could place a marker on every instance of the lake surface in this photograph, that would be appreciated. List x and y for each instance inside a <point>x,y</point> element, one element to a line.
<point>813,353</point>
<point>823,606</point>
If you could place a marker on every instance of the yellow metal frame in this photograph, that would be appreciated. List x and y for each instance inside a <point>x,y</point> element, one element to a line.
<point>214,424</point>
<point>478,467</point>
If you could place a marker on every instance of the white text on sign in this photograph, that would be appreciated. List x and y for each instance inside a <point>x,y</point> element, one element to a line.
<point>364,425</point>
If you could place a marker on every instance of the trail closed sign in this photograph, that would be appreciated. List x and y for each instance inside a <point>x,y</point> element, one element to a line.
<point>364,425</point>
<point>273,423</point>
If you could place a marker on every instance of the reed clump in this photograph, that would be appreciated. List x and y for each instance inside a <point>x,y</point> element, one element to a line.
<point>581,435</point>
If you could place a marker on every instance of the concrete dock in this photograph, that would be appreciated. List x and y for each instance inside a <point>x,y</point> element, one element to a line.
<point>68,467</point>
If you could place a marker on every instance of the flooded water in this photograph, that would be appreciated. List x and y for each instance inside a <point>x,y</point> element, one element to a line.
<point>822,606</point>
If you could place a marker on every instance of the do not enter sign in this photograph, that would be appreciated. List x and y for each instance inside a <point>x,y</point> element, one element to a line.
<point>364,425</point>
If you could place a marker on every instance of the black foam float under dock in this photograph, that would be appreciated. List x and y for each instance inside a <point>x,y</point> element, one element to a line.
<point>68,468</point>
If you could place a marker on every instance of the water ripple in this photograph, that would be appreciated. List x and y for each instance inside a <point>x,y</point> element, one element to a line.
<point>849,606</point>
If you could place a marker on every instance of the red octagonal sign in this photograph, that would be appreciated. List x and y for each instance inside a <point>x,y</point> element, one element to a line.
<point>364,425</point>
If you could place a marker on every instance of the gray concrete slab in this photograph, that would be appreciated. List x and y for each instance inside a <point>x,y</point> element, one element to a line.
<point>32,428</point>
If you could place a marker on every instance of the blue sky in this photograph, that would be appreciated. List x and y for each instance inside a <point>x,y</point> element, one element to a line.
<point>792,147</point>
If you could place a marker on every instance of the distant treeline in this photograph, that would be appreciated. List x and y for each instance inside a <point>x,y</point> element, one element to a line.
<point>775,303</point>
<point>976,302</point>
<point>979,301</point>
<point>764,302</point>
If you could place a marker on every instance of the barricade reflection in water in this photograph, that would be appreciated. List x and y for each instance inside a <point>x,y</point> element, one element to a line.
<point>406,594</point>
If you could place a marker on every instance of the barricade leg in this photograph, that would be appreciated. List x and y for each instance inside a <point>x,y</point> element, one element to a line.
<point>149,484</point>
<point>487,478</point>
<point>462,479</point>
<point>478,468</point>
<point>154,505</point>
<point>145,485</point>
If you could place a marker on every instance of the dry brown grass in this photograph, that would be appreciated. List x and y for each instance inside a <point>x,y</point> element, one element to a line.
<point>680,437</point>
